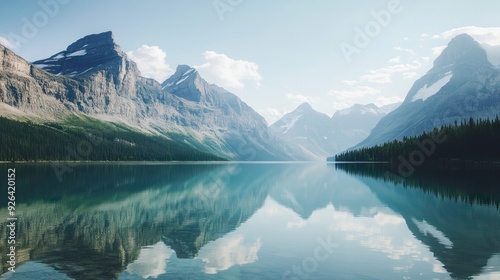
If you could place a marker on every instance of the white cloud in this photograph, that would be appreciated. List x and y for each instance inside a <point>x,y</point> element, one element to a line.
<point>271,114</point>
<point>350,82</point>
<point>405,50</point>
<point>228,72</point>
<point>227,252</point>
<point>409,75</point>
<point>345,98</point>
<point>152,261</point>
<point>382,100</point>
<point>151,61</point>
<point>354,93</point>
<point>388,219</point>
<point>4,41</point>
<point>424,35</point>
<point>396,59</point>
<point>437,50</point>
<point>380,76</point>
<point>384,75</point>
<point>484,35</point>
<point>300,98</point>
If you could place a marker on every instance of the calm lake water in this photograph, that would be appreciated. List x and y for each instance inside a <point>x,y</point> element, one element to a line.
<point>252,221</point>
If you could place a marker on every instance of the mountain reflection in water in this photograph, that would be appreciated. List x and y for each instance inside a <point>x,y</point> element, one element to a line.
<point>253,220</point>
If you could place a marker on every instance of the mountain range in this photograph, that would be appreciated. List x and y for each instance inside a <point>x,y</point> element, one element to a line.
<point>462,84</point>
<point>93,77</point>
<point>318,135</point>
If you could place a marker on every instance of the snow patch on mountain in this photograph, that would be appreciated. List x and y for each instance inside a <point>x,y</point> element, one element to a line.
<point>428,91</point>
<point>291,124</point>
<point>59,56</point>
<point>428,229</point>
<point>78,53</point>
<point>188,72</point>
<point>41,66</point>
<point>183,79</point>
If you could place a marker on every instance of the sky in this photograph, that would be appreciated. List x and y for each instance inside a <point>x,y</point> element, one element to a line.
<point>274,55</point>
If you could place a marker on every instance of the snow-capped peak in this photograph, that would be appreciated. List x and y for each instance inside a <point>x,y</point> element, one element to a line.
<point>86,53</point>
<point>186,83</point>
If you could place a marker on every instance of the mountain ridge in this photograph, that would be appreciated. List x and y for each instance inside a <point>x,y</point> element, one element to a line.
<point>113,90</point>
<point>462,84</point>
<point>320,136</point>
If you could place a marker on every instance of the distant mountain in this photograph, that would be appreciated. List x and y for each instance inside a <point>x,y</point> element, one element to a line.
<point>462,84</point>
<point>93,76</point>
<point>354,124</point>
<point>320,136</point>
<point>310,131</point>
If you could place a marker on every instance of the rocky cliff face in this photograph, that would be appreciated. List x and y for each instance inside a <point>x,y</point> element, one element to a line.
<point>213,111</point>
<point>31,90</point>
<point>93,76</point>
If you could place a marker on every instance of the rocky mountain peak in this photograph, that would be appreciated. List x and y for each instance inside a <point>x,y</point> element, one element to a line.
<point>187,83</point>
<point>304,107</point>
<point>462,49</point>
<point>82,56</point>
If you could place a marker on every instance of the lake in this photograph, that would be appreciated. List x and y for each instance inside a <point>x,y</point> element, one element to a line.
<point>252,221</point>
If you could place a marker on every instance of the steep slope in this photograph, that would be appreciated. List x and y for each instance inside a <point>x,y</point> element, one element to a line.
<point>93,76</point>
<point>83,56</point>
<point>310,131</point>
<point>221,120</point>
<point>461,84</point>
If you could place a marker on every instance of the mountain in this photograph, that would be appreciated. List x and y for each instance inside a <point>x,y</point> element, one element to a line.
<point>452,212</point>
<point>94,77</point>
<point>355,123</point>
<point>224,120</point>
<point>462,84</point>
<point>320,136</point>
<point>93,51</point>
<point>310,131</point>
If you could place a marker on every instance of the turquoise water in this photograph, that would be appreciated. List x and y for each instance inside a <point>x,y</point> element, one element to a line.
<point>252,221</point>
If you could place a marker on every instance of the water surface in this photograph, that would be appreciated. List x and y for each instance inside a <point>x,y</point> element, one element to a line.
<point>253,221</point>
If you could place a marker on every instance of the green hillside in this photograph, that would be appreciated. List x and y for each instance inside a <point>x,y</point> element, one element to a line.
<point>81,138</point>
<point>471,140</point>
